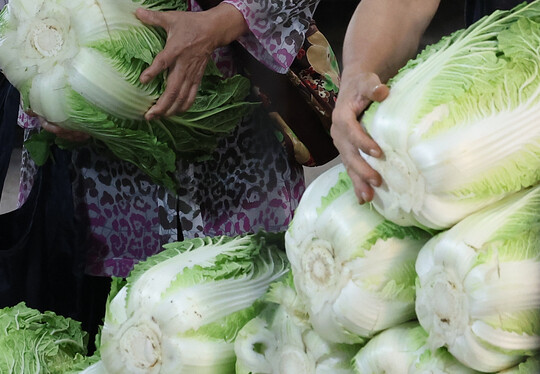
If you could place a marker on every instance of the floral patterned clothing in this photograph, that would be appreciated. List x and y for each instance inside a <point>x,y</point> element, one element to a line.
<point>278,29</point>
<point>248,184</point>
<point>28,169</point>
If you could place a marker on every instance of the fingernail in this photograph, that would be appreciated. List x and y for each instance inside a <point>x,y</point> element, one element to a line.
<point>374,182</point>
<point>364,196</point>
<point>375,152</point>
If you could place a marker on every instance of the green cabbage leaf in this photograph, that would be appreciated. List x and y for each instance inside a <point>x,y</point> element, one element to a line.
<point>35,342</point>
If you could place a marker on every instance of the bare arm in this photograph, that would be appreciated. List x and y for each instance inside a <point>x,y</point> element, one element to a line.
<point>382,35</point>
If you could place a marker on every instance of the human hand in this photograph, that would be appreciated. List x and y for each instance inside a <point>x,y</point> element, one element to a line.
<point>69,135</point>
<point>189,45</point>
<point>62,133</point>
<point>358,89</point>
<point>191,39</point>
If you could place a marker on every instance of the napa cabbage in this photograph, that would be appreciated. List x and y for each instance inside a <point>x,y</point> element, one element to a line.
<point>181,309</point>
<point>478,287</point>
<point>403,349</point>
<point>353,269</point>
<point>459,128</point>
<point>280,340</point>
<point>77,63</point>
<point>36,342</point>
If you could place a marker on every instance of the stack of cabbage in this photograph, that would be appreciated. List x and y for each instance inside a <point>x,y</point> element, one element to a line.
<point>440,275</point>
<point>461,135</point>
<point>473,289</point>
<point>77,63</point>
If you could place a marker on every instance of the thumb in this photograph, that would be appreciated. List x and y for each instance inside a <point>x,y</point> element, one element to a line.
<point>379,92</point>
<point>149,17</point>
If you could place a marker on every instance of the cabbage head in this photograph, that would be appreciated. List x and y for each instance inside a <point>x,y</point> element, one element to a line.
<point>181,309</point>
<point>460,128</point>
<point>403,349</point>
<point>36,342</point>
<point>478,287</point>
<point>353,269</point>
<point>77,63</point>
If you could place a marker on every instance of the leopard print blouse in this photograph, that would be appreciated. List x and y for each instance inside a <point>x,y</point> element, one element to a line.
<point>247,185</point>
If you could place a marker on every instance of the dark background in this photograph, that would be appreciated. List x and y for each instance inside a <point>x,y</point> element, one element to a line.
<point>332,17</point>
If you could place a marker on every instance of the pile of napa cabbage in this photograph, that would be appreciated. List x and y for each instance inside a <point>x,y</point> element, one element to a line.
<point>440,274</point>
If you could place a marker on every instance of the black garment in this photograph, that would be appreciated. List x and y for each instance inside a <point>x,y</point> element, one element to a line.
<point>9,107</point>
<point>94,297</point>
<point>476,9</point>
<point>41,255</point>
<point>42,252</point>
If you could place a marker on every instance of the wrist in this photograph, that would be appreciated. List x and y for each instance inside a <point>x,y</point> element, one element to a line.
<point>356,71</point>
<point>230,21</point>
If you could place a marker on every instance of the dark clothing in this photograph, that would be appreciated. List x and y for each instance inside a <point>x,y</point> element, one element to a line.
<point>476,9</point>
<point>41,262</point>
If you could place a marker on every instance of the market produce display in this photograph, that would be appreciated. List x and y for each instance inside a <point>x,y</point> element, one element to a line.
<point>475,287</point>
<point>77,64</point>
<point>440,274</point>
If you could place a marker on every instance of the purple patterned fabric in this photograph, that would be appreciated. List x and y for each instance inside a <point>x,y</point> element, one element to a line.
<point>248,184</point>
<point>277,29</point>
<point>28,168</point>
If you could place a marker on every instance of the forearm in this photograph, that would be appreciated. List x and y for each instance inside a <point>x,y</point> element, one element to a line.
<point>383,34</point>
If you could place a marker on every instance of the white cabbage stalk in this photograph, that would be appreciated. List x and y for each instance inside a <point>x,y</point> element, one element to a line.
<point>353,269</point>
<point>478,287</point>
<point>96,368</point>
<point>529,366</point>
<point>281,341</point>
<point>402,350</point>
<point>459,129</point>
<point>182,308</point>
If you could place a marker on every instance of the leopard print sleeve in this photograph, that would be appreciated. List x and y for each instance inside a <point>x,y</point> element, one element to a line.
<point>277,29</point>
<point>26,121</point>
